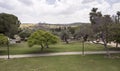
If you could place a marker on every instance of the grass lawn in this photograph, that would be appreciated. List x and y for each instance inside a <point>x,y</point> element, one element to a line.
<point>22,48</point>
<point>62,63</point>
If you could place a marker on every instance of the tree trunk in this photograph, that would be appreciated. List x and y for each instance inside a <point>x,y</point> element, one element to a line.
<point>42,47</point>
<point>116,45</point>
<point>47,45</point>
<point>83,47</point>
<point>66,41</point>
<point>106,48</point>
<point>8,50</point>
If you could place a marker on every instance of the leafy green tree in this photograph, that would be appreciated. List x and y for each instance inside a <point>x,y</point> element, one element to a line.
<point>42,38</point>
<point>65,35</point>
<point>4,42</point>
<point>118,32</point>
<point>25,33</point>
<point>115,33</point>
<point>115,29</point>
<point>9,24</point>
<point>73,31</point>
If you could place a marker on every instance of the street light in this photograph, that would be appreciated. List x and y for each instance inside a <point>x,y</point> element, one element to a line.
<point>8,49</point>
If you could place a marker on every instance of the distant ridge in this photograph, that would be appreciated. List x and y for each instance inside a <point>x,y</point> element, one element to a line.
<point>27,25</point>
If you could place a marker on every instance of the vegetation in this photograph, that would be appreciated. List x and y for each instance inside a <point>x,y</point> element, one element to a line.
<point>22,48</point>
<point>3,40</point>
<point>115,33</point>
<point>65,36</point>
<point>42,38</point>
<point>62,63</point>
<point>114,28</point>
<point>103,28</point>
<point>9,24</point>
<point>25,33</point>
<point>101,25</point>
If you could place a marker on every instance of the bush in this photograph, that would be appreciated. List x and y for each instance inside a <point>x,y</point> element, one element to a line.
<point>3,40</point>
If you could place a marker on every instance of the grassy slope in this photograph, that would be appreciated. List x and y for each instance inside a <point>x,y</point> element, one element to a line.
<point>62,63</point>
<point>22,48</point>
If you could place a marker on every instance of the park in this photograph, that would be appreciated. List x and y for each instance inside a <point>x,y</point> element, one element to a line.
<point>74,46</point>
<point>94,62</point>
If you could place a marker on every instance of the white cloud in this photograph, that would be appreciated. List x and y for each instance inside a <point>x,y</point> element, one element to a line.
<point>115,8</point>
<point>59,11</point>
<point>26,2</point>
<point>87,1</point>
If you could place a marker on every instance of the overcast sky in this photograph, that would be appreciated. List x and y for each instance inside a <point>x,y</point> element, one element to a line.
<point>57,11</point>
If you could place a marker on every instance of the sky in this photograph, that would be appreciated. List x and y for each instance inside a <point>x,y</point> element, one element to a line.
<point>57,11</point>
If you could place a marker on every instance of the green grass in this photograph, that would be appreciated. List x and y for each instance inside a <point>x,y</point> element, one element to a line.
<point>22,48</point>
<point>62,63</point>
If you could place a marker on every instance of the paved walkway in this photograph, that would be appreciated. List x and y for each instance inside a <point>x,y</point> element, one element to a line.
<point>110,44</point>
<point>57,54</point>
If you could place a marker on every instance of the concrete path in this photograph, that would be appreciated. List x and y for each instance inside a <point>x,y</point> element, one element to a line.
<point>110,44</point>
<point>57,54</point>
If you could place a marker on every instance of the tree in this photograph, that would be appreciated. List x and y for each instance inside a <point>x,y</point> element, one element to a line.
<point>25,33</point>
<point>4,41</point>
<point>9,24</point>
<point>117,37</point>
<point>115,33</point>
<point>42,38</point>
<point>84,32</point>
<point>65,36</point>
<point>100,24</point>
<point>118,14</point>
<point>115,29</point>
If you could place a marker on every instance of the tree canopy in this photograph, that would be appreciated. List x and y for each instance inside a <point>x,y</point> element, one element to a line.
<point>65,35</point>
<point>25,33</point>
<point>100,24</point>
<point>42,38</point>
<point>9,24</point>
<point>3,40</point>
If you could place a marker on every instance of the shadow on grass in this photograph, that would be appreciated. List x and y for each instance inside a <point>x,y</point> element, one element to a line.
<point>38,51</point>
<point>2,52</point>
<point>114,49</point>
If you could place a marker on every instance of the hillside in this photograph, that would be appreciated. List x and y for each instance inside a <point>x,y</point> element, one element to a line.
<point>28,25</point>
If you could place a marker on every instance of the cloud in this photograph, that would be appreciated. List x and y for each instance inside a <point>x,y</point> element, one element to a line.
<point>51,1</point>
<point>115,7</point>
<point>87,1</point>
<point>5,5</point>
<point>57,11</point>
<point>26,2</point>
<point>113,1</point>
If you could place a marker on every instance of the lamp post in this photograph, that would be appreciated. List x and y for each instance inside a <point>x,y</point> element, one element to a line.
<point>83,43</point>
<point>83,47</point>
<point>8,49</point>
